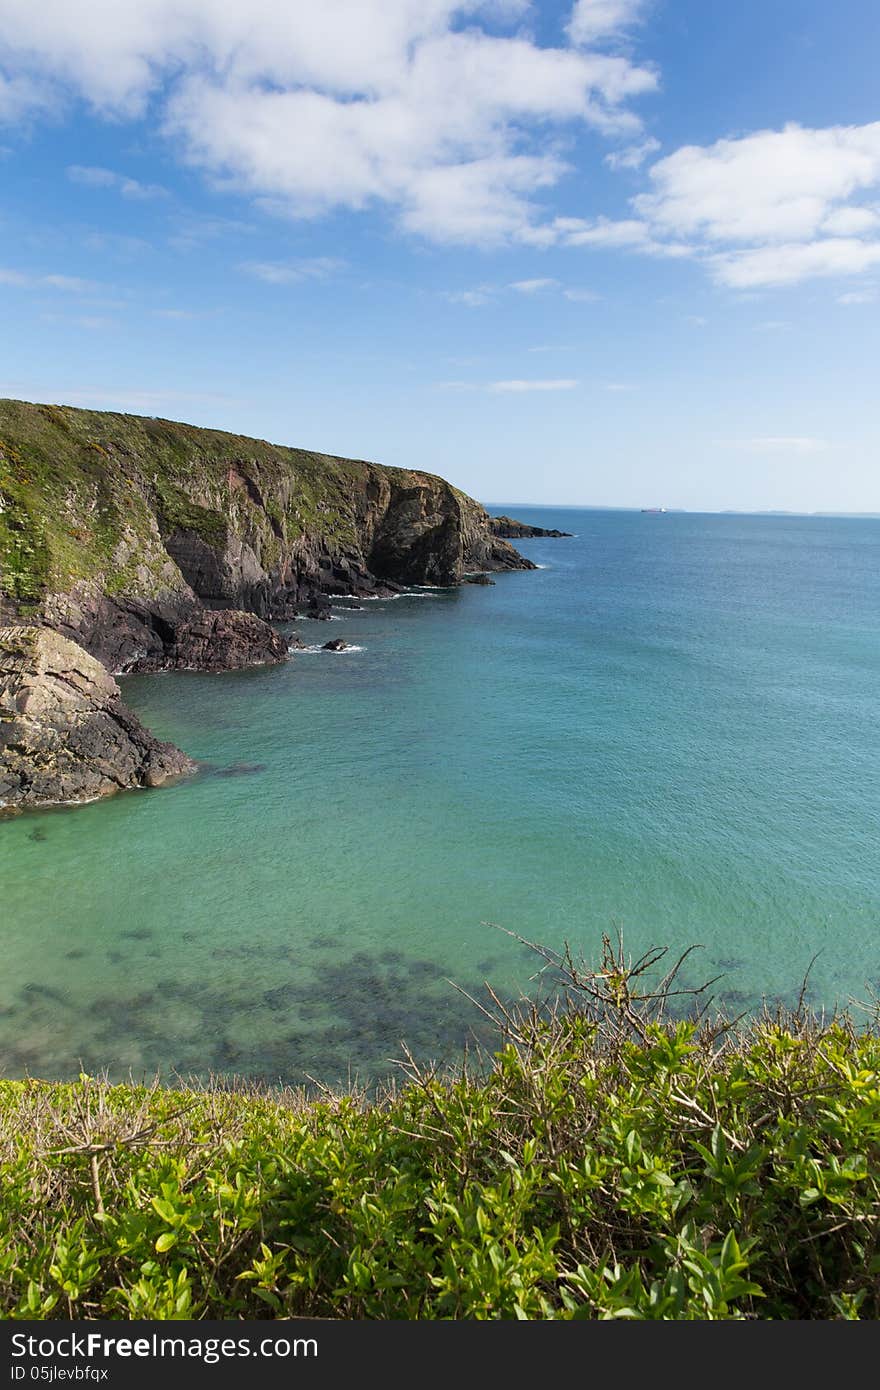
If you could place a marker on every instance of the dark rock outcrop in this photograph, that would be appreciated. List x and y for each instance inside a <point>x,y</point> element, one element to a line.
<point>65,734</point>
<point>337,645</point>
<point>518,530</point>
<point>150,635</point>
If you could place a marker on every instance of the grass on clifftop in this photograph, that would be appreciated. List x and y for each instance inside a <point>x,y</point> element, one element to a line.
<point>92,495</point>
<point>608,1164</point>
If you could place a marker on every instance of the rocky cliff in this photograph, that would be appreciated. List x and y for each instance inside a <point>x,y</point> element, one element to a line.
<point>126,533</point>
<point>65,734</point>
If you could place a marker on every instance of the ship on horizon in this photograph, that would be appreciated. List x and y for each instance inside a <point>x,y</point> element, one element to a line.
<point>652,511</point>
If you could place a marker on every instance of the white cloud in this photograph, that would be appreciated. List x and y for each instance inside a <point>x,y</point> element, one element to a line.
<point>633,156</point>
<point>852,221</point>
<point>472,299</point>
<point>192,232</point>
<point>408,104</point>
<point>22,96</point>
<point>533,286</point>
<point>93,177</point>
<point>858,297</point>
<point>595,20</point>
<point>69,284</point>
<point>293,272</point>
<point>770,209</point>
<point>774,186</point>
<point>563,384</point>
<point>123,247</point>
<point>792,263</point>
<point>605,233</point>
<point>779,444</point>
<point>582,296</point>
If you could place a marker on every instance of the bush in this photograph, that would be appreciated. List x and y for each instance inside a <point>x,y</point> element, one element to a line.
<point>607,1162</point>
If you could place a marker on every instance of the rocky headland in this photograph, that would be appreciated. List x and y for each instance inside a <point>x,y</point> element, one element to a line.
<point>153,545</point>
<point>506,527</point>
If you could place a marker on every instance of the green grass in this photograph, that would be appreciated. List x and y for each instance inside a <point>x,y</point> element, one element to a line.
<point>607,1163</point>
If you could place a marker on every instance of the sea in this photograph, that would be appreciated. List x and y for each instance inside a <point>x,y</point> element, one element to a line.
<point>667,732</point>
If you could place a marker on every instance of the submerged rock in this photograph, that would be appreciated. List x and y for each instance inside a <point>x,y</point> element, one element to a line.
<point>477,579</point>
<point>65,734</point>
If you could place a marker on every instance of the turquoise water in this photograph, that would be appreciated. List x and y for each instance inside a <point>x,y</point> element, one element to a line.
<point>671,726</point>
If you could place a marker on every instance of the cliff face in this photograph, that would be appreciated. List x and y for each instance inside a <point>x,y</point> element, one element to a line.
<point>65,734</point>
<point>119,531</point>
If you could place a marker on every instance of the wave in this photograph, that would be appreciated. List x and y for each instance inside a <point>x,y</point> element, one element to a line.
<point>318,647</point>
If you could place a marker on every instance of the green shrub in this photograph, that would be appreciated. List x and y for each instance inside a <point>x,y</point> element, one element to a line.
<point>608,1162</point>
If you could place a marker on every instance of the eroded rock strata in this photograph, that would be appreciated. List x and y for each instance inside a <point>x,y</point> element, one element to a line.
<point>65,734</point>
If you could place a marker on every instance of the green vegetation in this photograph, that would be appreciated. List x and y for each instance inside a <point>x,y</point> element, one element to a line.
<point>177,512</point>
<point>91,495</point>
<point>609,1162</point>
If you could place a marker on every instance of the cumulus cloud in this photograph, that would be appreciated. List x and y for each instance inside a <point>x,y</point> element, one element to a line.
<point>92,177</point>
<point>772,208</point>
<point>791,263</point>
<point>777,186</point>
<point>769,209</point>
<point>411,104</point>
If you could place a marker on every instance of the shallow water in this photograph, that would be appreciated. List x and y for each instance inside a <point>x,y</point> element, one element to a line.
<point>671,726</point>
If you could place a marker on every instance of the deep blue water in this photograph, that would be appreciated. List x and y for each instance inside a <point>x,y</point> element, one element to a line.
<point>671,727</point>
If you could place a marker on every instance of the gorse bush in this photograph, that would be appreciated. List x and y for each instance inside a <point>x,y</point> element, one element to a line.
<point>607,1163</point>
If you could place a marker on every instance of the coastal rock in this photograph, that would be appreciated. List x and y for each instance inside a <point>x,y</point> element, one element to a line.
<point>337,645</point>
<point>65,734</point>
<point>518,530</point>
<point>225,640</point>
<point>477,579</point>
<point>137,635</point>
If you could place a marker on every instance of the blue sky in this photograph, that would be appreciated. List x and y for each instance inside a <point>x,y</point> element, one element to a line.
<point>609,252</point>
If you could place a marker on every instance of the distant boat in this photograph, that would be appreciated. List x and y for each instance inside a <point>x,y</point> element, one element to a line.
<point>653,511</point>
